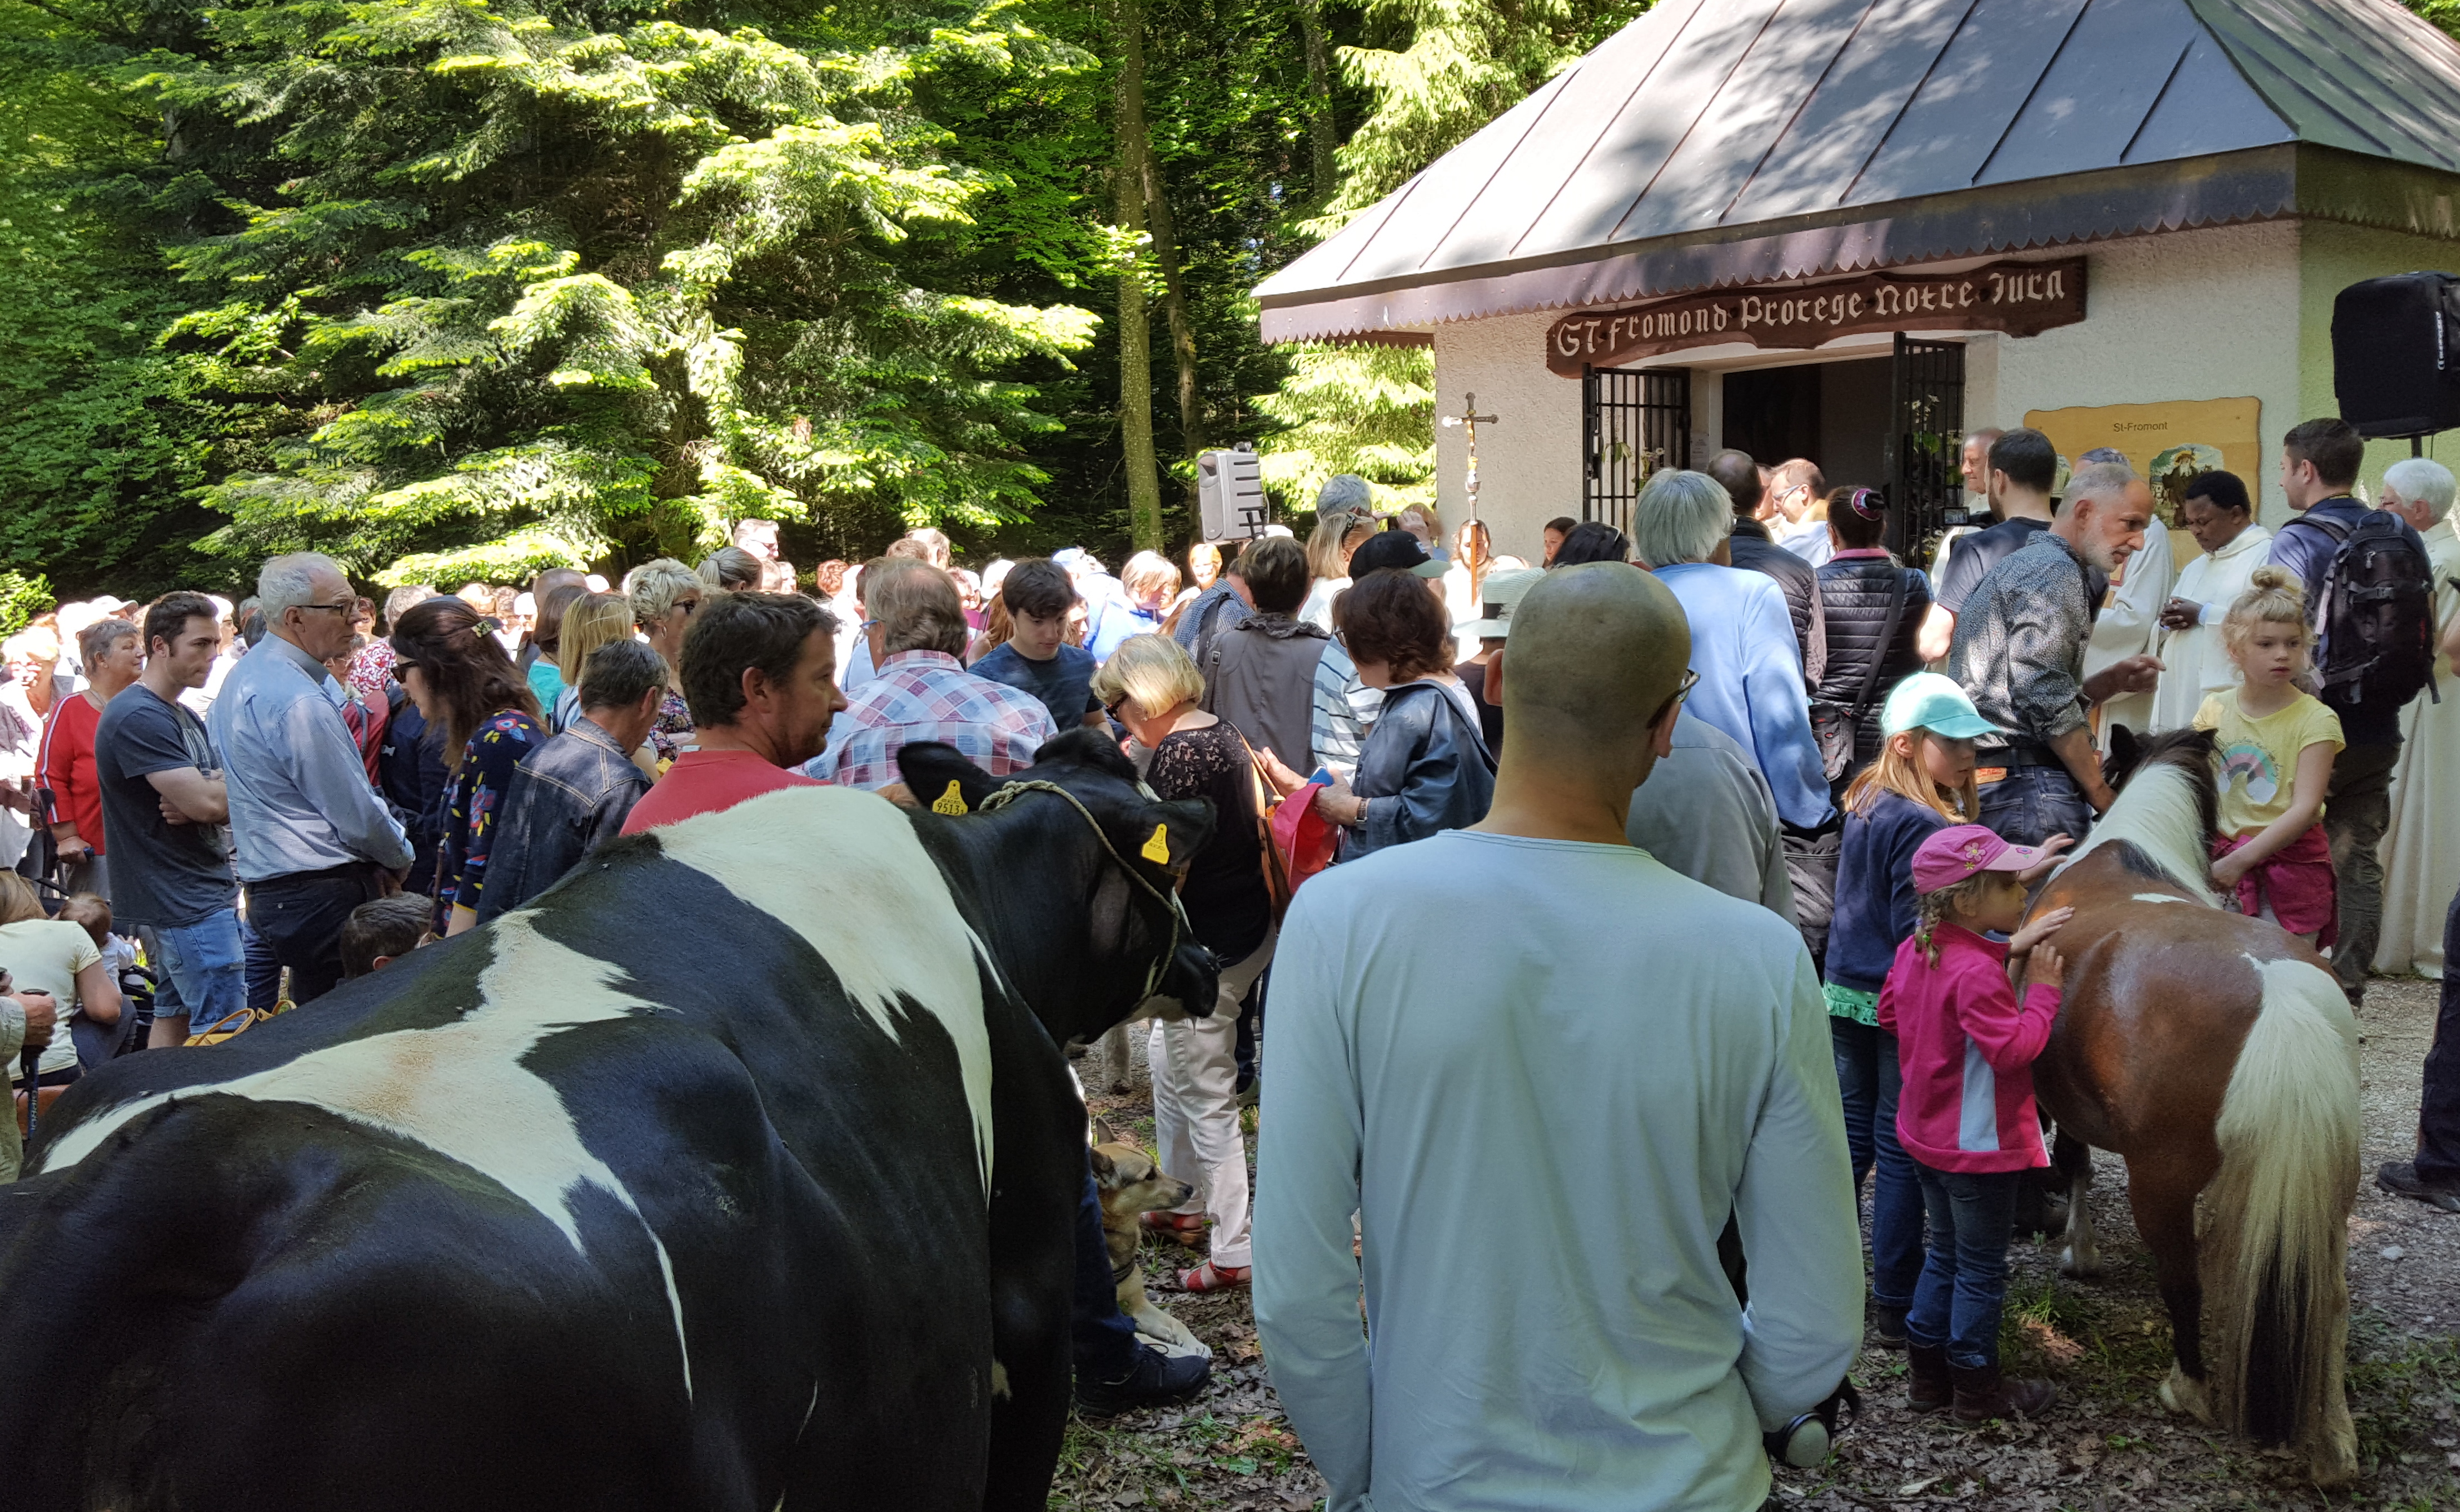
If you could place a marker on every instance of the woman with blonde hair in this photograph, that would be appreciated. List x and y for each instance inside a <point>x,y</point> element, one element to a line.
<point>665,596</point>
<point>589,622</point>
<point>1328,551</point>
<point>1151,686</point>
<point>44,954</point>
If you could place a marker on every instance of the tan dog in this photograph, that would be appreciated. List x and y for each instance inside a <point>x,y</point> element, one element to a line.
<point>1133,1184</point>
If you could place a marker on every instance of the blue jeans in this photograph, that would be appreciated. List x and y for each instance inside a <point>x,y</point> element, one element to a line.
<point>1103,1338</point>
<point>1964,1278</point>
<point>263,970</point>
<point>200,971</point>
<point>2031,803</point>
<point>1868,1077</point>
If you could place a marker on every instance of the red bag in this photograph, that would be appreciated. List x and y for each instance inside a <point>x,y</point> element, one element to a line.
<point>1304,837</point>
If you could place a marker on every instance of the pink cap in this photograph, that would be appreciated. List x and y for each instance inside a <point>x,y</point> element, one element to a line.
<point>1960,850</point>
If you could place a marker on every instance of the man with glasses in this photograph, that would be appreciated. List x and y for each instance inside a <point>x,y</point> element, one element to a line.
<point>310,837</point>
<point>1646,1059</point>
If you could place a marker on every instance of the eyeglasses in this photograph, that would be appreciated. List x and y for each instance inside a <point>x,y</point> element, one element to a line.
<point>1682,691</point>
<point>341,606</point>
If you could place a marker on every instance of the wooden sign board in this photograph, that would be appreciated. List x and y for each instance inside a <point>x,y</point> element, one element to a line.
<point>2167,443</point>
<point>2022,299</point>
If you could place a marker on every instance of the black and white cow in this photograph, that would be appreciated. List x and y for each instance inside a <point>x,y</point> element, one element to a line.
<point>736,1172</point>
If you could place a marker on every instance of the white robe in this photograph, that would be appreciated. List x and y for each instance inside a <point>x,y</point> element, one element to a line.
<point>2421,863</point>
<point>2194,664</point>
<point>2127,626</point>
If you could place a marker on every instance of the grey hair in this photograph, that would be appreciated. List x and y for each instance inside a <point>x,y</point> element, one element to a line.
<point>404,598</point>
<point>654,587</point>
<point>95,641</point>
<point>288,582</point>
<point>2096,480</point>
<point>1346,491</point>
<point>1680,517</point>
<point>2422,480</point>
<point>619,674</point>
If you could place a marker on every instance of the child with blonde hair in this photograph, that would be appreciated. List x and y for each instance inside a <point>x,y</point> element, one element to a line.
<point>1922,782</point>
<point>2273,743</point>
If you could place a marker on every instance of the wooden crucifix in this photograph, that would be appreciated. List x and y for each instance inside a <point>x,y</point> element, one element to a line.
<point>1470,420</point>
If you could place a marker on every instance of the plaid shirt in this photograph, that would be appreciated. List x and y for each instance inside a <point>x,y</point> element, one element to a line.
<point>2019,639</point>
<point>929,696</point>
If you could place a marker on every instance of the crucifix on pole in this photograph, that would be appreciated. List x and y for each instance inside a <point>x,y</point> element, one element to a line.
<point>1470,420</point>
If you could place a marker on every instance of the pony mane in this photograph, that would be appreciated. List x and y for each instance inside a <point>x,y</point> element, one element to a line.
<point>2168,810</point>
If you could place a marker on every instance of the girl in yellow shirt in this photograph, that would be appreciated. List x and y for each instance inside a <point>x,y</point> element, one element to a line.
<point>2275,744</point>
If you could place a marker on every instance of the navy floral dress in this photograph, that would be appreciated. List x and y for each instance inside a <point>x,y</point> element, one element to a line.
<point>496,748</point>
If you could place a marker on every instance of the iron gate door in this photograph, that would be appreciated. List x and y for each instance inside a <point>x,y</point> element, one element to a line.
<point>1925,434</point>
<point>1633,421</point>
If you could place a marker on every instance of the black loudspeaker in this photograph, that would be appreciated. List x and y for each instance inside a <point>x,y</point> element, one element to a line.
<point>2396,354</point>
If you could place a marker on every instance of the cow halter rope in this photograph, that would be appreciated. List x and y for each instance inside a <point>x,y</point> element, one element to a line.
<point>1010,793</point>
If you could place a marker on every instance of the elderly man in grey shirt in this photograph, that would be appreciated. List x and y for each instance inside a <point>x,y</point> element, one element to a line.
<point>310,837</point>
<point>2019,654</point>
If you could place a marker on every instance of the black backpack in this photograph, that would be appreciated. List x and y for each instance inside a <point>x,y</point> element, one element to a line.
<point>2375,611</point>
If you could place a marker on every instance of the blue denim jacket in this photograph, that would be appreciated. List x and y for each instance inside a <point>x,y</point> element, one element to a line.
<point>572,792</point>
<point>1424,769</point>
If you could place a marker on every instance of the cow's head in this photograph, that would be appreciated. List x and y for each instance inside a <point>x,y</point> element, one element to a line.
<point>1083,915</point>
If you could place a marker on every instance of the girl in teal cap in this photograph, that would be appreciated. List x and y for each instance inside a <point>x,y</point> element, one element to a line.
<point>1922,782</point>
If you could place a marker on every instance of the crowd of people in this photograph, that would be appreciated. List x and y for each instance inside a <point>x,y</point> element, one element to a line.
<point>1747,755</point>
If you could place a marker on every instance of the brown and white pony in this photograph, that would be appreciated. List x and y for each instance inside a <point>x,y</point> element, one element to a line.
<point>2215,1054</point>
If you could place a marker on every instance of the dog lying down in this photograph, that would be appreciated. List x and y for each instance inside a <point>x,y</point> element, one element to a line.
<point>1132,1185</point>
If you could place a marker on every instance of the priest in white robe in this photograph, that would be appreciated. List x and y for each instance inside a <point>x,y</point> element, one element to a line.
<point>2129,616</point>
<point>2421,849</point>
<point>2194,664</point>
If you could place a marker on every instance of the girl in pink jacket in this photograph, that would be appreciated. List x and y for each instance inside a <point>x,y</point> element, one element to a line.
<point>1966,1048</point>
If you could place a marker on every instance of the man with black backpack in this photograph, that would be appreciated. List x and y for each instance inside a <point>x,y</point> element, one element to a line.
<point>2370,592</point>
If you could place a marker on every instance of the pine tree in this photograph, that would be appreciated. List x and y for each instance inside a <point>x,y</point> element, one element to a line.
<point>537,285</point>
<point>1371,409</point>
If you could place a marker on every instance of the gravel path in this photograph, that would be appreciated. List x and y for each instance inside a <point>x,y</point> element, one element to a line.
<point>2108,1446</point>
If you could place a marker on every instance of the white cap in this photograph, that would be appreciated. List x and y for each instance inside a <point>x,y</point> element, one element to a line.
<point>1502,592</point>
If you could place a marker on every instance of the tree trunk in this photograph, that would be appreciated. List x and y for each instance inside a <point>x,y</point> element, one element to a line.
<point>1182,334</point>
<point>1135,153</point>
<point>1136,356</point>
<point>1320,126</point>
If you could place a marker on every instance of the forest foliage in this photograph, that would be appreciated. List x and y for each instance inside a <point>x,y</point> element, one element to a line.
<point>462,288</point>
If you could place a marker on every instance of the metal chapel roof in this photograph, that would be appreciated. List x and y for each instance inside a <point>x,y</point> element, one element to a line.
<point>1716,140</point>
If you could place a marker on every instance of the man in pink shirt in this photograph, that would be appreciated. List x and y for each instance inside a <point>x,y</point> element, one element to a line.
<point>1966,1047</point>
<point>760,673</point>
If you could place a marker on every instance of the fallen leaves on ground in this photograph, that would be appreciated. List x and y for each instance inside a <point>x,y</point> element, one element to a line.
<point>2108,1446</point>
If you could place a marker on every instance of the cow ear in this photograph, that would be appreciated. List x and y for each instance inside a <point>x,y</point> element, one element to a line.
<point>942,779</point>
<point>1169,834</point>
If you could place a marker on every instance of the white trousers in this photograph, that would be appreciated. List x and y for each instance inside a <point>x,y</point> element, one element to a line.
<point>1195,1065</point>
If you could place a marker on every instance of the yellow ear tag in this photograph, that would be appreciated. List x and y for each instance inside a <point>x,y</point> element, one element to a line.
<point>1157,849</point>
<point>951,802</point>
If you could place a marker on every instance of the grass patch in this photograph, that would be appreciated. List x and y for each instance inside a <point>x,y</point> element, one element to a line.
<point>2403,1392</point>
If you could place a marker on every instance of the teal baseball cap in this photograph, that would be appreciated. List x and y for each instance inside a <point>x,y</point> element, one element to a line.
<point>1927,701</point>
